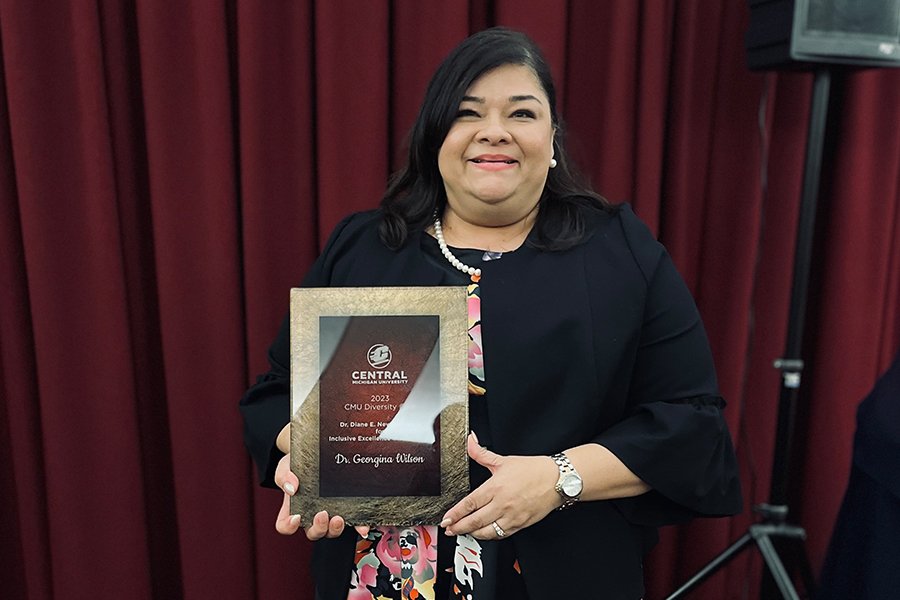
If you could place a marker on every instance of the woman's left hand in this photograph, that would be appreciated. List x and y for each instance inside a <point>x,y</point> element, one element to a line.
<point>520,492</point>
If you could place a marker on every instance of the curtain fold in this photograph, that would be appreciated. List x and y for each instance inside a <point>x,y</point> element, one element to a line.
<point>21,452</point>
<point>187,76</point>
<point>169,171</point>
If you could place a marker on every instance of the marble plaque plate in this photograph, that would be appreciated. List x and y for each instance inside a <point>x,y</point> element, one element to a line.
<point>379,412</point>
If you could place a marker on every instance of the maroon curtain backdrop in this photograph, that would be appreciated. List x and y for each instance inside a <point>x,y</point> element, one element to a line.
<point>169,170</point>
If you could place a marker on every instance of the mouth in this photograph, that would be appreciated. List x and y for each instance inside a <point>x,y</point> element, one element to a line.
<point>493,163</point>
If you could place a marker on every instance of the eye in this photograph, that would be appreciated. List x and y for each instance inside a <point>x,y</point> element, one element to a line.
<point>523,113</point>
<point>466,112</point>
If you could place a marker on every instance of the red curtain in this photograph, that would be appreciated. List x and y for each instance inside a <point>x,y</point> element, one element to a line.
<point>169,170</point>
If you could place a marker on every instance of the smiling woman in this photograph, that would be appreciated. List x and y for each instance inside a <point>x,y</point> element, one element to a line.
<point>593,402</point>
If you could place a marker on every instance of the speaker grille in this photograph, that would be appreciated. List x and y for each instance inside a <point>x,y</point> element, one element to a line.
<point>870,17</point>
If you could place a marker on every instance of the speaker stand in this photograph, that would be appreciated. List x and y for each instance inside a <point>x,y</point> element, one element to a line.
<point>773,526</point>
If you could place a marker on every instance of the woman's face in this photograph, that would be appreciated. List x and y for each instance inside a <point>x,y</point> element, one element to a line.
<point>495,158</point>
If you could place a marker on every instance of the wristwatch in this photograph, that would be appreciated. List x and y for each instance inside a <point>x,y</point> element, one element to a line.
<point>569,484</point>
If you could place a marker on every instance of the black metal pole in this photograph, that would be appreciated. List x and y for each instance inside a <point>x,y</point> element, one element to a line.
<point>791,363</point>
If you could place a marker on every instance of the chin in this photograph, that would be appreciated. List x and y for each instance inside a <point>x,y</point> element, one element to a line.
<point>493,195</point>
<point>492,199</point>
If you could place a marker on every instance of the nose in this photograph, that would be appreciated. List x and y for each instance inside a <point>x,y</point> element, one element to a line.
<point>493,132</point>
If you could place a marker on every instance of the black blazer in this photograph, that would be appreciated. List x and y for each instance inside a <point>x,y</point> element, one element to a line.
<point>600,343</point>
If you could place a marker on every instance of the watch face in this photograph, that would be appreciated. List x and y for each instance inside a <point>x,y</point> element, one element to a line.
<point>571,485</point>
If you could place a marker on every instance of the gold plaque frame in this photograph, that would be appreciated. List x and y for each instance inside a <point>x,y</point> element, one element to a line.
<point>415,501</point>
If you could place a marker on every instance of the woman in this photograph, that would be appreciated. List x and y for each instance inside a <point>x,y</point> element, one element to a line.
<point>593,399</point>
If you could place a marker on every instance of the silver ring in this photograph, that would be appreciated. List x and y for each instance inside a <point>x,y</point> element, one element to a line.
<point>498,529</point>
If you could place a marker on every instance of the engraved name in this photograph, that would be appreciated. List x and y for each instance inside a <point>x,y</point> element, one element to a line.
<point>380,459</point>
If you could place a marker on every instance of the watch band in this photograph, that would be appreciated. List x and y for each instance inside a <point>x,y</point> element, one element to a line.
<point>565,468</point>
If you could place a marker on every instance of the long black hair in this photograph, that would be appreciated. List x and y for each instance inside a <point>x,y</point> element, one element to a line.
<point>417,190</point>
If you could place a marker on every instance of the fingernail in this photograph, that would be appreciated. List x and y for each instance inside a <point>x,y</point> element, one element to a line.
<point>450,533</point>
<point>445,522</point>
<point>474,435</point>
<point>289,488</point>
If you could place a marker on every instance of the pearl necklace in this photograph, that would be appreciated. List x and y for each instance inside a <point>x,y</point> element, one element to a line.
<point>472,272</point>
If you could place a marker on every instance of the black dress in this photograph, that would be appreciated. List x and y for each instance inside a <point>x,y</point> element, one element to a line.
<point>600,343</point>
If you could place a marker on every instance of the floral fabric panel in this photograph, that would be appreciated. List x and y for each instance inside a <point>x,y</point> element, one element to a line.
<point>395,559</point>
<point>467,558</point>
<point>476,358</point>
<point>466,562</point>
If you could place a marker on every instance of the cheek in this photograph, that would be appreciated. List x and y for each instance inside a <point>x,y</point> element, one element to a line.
<point>443,164</point>
<point>544,145</point>
<point>542,150</point>
<point>449,157</point>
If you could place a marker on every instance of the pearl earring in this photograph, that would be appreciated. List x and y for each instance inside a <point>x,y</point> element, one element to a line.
<point>553,163</point>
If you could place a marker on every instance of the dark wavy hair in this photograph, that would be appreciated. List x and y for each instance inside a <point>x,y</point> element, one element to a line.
<point>417,190</point>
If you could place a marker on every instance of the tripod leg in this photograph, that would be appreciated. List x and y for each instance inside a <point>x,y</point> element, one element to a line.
<point>776,567</point>
<point>712,566</point>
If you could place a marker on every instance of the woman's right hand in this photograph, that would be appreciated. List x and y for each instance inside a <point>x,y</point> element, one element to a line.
<point>288,524</point>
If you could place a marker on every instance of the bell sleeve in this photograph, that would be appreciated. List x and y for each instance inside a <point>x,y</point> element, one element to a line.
<point>673,435</point>
<point>266,407</point>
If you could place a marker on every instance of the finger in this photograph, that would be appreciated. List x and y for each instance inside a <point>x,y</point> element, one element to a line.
<point>489,532</point>
<point>468,505</point>
<point>284,477</point>
<point>319,526</point>
<point>473,522</point>
<point>362,530</point>
<point>285,522</point>
<point>288,484</point>
<point>482,455</point>
<point>335,526</point>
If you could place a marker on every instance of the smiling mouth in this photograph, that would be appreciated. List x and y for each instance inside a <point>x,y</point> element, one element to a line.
<point>480,161</point>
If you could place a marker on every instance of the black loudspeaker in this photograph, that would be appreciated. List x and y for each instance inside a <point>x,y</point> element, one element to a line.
<point>801,34</point>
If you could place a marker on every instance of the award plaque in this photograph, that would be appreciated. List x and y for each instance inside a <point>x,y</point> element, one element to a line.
<point>379,413</point>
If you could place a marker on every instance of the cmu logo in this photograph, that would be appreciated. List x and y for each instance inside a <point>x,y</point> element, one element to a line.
<point>379,356</point>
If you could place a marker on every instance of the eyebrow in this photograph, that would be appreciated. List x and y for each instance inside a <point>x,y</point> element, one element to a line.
<point>520,98</point>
